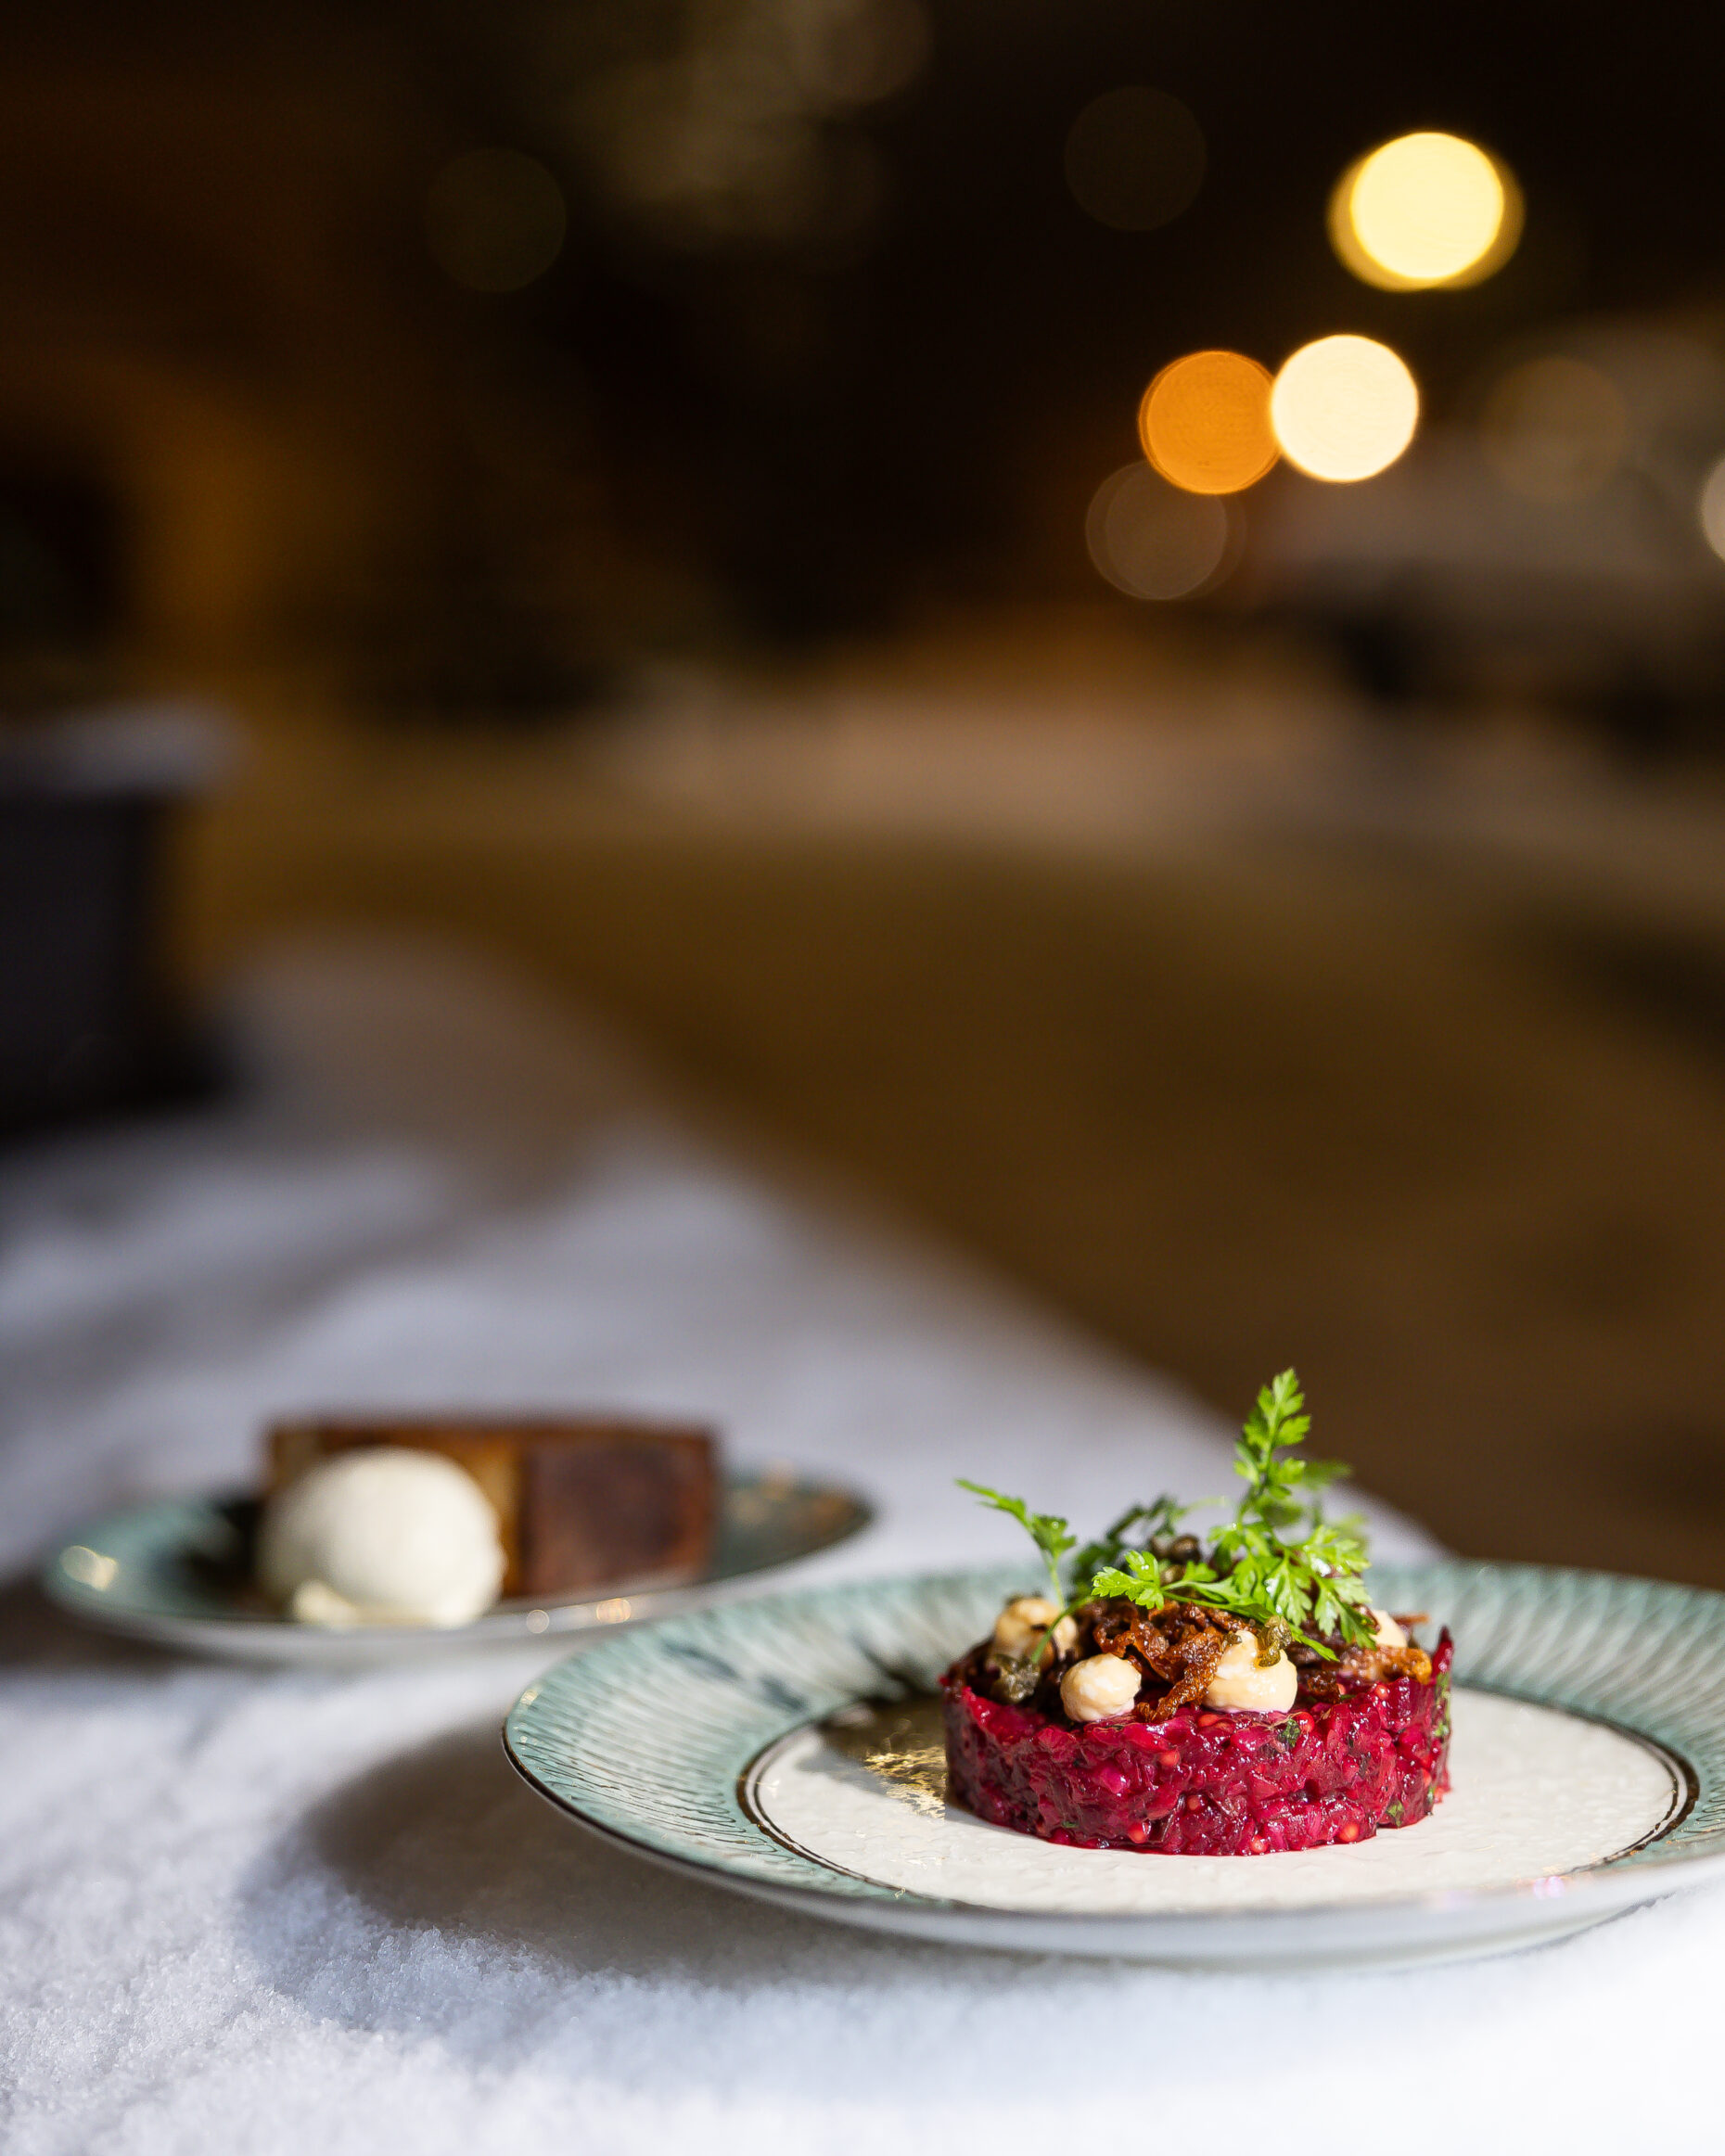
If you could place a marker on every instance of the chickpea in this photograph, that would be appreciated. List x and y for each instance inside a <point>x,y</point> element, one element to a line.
<point>1239,1684</point>
<point>1099,1687</point>
<point>1023,1618</point>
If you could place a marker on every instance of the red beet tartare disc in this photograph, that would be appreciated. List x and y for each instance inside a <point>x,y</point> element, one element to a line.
<point>1205,1783</point>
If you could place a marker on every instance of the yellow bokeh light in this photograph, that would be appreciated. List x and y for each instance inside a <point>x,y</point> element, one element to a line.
<point>1344,408</point>
<point>1425,211</point>
<point>1204,422</point>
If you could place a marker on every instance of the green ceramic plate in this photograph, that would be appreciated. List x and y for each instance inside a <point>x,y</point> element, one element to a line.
<point>177,1572</point>
<point>784,1747</point>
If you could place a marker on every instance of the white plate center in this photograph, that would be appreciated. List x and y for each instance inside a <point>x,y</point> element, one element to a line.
<point>1536,1792</point>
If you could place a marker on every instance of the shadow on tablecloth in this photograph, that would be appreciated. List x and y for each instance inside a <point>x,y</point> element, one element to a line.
<point>34,1634</point>
<point>437,1893</point>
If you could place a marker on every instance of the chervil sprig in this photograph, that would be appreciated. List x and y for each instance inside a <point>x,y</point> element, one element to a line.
<point>1308,1588</point>
<point>1310,1584</point>
<point>1264,1457</point>
<point>1139,1526</point>
<point>1047,1530</point>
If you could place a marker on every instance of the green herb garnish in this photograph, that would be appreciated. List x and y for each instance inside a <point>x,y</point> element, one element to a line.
<point>1305,1586</point>
<point>1141,1526</point>
<point>1312,1583</point>
<point>1047,1530</point>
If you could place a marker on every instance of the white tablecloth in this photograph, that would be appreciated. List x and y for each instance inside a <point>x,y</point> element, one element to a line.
<point>293,1912</point>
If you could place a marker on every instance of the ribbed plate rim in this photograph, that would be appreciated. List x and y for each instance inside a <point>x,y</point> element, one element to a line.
<point>1680,1853</point>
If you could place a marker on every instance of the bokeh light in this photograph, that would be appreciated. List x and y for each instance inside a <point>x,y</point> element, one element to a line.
<point>495,220</point>
<point>1555,428</point>
<point>1205,422</point>
<point>856,52</point>
<point>1712,506</point>
<point>1135,159</point>
<point>1425,211</point>
<point>734,129</point>
<point>1154,541</point>
<point>1344,408</point>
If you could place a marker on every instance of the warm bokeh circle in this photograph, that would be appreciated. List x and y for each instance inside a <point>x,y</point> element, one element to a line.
<point>1154,541</point>
<point>1344,408</point>
<point>1425,211</point>
<point>1203,423</point>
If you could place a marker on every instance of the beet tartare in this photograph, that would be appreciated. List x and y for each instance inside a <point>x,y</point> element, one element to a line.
<point>1232,1701</point>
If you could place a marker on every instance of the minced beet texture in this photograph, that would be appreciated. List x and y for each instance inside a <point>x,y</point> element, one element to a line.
<point>1202,1784</point>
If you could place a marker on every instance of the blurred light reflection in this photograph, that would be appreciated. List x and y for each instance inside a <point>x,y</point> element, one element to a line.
<point>1154,541</point>
<point>1713,508</point>
<point>738,134</point>
<point>1135,159</point>
<point>1424,211</point>
<point>89,1567</point>
<point>1205,422</point>
<point>1555,428</point>
<point>856,52</point>
<point>495,220</point>
<point>1344,408</point>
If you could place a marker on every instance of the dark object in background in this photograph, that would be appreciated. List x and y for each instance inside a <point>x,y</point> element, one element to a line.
<point>89,1021</point>
<point>581,1504</point>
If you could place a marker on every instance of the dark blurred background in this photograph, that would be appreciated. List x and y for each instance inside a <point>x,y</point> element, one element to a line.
<point>651,489</point>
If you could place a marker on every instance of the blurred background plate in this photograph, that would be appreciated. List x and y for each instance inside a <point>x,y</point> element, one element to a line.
<point>177,1572</point>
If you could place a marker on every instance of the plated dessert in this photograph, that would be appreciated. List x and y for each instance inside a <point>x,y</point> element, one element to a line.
<point>1237,1698</point>
<point>373,1551</point>
<point>433,1521</point>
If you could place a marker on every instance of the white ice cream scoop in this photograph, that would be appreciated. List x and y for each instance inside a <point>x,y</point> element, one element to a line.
<point>381,1536</point>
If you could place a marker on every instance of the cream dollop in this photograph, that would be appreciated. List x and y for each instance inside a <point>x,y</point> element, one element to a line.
<point>1239,1684</point>
<point>1024,1617</point>
<point>383,1534</point>
<point>1099,1687</point>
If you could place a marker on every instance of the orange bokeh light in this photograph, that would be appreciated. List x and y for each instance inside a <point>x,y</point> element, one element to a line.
<point>1203,423</point>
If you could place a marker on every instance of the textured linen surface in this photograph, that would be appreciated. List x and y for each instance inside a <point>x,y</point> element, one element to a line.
<point>291,1911</point>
